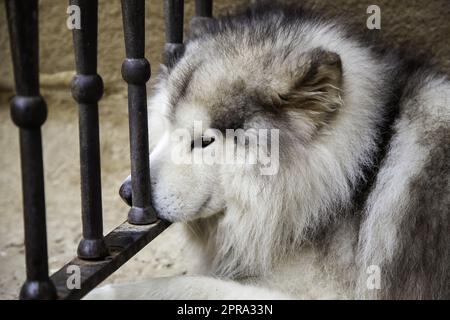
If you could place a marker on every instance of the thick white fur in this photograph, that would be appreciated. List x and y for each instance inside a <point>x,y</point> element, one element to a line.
<point>253,227</point>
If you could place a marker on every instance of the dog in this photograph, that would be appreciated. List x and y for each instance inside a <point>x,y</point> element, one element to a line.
<point>358,203</point>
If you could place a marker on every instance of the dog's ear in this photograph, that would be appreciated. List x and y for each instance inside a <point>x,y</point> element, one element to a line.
<point>315,84</point>
<point>200,25</point>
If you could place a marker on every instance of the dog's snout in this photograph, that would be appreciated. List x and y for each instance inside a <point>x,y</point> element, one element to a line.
<point>125,192</point>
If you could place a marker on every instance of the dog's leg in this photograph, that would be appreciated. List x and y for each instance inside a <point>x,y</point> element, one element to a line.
<point>184,287</point>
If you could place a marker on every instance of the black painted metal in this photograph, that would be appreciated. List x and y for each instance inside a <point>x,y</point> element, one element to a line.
<point>98,256</point>
<point>87,89</point>
<point>174,14</point>
<point>203,8</point>
<point>203,17</point>
<point>29,112</point>
<point>123,243</point>
<point>136,72</point>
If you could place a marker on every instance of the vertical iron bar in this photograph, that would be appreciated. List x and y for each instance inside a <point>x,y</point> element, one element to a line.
<point>203,8</point>
<point>29,112</point>
<point>174,14</point>
<point>203,16</point>
<point>87,90</point>
<point>136,72</point>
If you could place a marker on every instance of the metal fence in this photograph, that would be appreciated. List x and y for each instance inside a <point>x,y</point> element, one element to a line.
<point>98,256</point>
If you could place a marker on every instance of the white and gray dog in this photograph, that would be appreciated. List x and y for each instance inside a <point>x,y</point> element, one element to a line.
<point>358,206</point>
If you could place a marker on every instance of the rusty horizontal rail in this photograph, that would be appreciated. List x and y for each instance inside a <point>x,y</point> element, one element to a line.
<point>122,244</point>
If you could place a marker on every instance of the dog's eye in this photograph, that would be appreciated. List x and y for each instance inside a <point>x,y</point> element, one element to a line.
<point>205,141</point>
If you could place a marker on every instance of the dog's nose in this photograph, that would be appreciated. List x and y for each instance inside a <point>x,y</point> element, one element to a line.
<point>125,192</point>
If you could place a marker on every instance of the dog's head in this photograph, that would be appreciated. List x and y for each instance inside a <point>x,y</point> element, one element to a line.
<point>229,93</point>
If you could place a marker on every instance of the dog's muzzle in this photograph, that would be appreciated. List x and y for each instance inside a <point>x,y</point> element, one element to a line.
<point>125,192</point>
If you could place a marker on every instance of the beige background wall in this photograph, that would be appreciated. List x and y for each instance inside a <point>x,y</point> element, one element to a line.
<point>425,24</point>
